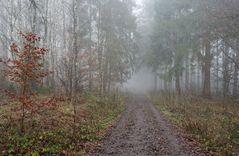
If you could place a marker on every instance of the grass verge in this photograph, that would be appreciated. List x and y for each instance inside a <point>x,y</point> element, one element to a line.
<point>214,124</point>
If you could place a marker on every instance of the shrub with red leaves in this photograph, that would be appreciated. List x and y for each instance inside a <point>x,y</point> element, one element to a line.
<point>23,70</point>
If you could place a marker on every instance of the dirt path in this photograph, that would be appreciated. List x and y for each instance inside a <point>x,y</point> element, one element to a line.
<point>143,131</point>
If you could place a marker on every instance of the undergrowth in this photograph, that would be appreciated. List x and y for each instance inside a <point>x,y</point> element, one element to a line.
<point>214,124</point>
<point>50,132</point>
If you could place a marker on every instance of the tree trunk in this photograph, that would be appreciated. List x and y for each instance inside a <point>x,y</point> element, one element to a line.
<point>100,49</point>
<point>226,76</point>
<point>187,66</point>
<point>178,88</point>
<point>207,59</point>
<point>155,82</point>
<point>90,50</point>
<point>34,19</point>
<point>217,70</point>
<point>235,83</point>
<point>75,47</point>
<point>192,78</point>
<point>198,83</point>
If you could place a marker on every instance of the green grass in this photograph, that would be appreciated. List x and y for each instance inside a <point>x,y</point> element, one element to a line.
<point>51,131</point>
<point>214,124</point>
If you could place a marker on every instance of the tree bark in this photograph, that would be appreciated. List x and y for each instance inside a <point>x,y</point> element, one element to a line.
<point>178,87</point>
<point>207,59</point>
<point>187,66</point>
<point>155,82</point>
<point>235,83</point>
<point>226,76</point>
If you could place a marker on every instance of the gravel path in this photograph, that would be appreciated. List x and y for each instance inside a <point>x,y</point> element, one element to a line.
<point>143,131</point>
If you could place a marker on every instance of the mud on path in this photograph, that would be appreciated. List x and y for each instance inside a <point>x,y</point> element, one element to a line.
<point>143,131</point>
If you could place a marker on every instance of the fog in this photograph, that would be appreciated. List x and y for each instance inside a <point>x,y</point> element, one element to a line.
<point>96,44</point>
<point>141,82</point>
<point>70,69</point>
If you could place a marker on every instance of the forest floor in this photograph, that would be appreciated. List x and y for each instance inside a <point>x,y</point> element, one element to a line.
<point>53,131</point>
<point>143,130</point>
<point>213,123</point>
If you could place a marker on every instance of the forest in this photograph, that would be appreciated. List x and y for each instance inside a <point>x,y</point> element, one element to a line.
<point>119,77</point>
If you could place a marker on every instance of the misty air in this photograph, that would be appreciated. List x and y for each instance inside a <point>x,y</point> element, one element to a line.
<point>119,78</point>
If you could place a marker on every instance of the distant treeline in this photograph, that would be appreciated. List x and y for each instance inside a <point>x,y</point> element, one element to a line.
<point>194,46</point>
